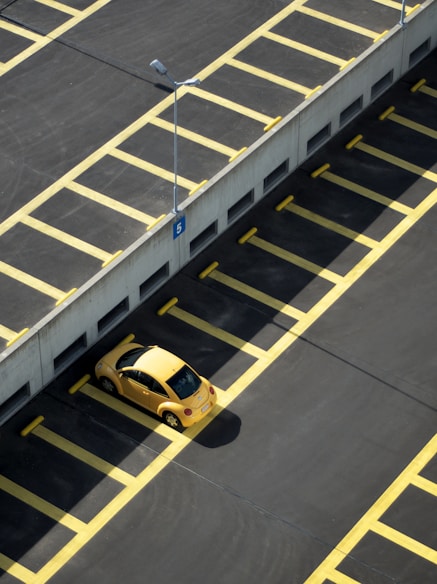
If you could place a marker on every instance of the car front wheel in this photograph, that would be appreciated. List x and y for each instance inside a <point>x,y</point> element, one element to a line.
<point>173,421</point>
<point>107,385</point>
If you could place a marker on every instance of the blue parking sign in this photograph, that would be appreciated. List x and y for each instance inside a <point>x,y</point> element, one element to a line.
<point>179,227</point>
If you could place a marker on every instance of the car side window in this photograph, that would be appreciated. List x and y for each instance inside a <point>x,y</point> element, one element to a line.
<point>157,387</point>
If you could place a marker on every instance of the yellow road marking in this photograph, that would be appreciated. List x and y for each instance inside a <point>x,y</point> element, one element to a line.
<point>31,281</point>
<point>194,137</point>
<point>269,76</point>
<point>339,22</point>
<point>218,333</point>
<point>41,505</point>
<point>131,413</point>
<point>392,4</point>
<point>365,192</point>
<point>256,294</point>
<point>295,259</point>
<point>425,484</point>
<point>66,238</point>
<point>404,164</point>
<point>152,168</point>
<point>15,569</point>
<point>111,203</point>
<point>83,455</point>
<point>232,105</point>
<point>60,6</point>
<point>6,333</point>
<point>18,30</point>
<point>413,125</point>
<point>429,91</point>
<point>404,541</point>
<point>304,48</point>
<point>331,225</point>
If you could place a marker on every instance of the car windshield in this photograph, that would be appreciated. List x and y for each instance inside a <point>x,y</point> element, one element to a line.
<point>129,359</point>
<point>185,382</point>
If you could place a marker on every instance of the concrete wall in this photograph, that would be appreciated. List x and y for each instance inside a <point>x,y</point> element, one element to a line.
<point>50,346</point>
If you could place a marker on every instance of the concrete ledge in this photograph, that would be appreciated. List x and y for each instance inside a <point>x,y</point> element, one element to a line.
<point>85,315</point>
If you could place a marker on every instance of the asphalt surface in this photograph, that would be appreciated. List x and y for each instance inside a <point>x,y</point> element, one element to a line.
<point>86,155</point>
<point>319,462</point>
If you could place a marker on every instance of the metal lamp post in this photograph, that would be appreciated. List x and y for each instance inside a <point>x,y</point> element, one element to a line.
<point>162,70</point>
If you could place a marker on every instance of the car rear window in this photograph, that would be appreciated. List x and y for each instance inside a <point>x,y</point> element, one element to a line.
<point>185,382</point>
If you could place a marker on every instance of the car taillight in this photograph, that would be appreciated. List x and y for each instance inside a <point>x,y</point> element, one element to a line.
<point>211,390</point>
<point>188,412</point>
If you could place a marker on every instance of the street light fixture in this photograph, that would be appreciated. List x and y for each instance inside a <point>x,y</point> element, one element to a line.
<point>162,70</point>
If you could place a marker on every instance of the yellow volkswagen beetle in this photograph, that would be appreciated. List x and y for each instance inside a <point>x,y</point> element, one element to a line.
<point>158,381</point>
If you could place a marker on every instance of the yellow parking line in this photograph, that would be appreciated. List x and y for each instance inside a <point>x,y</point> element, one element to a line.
<point>293,258</point>
<point>331,225</point>
<point>218,333</point>
<point>60,6</point>
<point>20,31</point>
<point>429,91</point>
<point>131,413</point>
<point>152,168</point>
<point>425,484</point>
<point>365,192</point>
<point>231,105</point>
<point>339,22</point>
<point>392,4</point>
<point>66,238</point>
<point>400,539</point>
<point>194,137</point>
<point>15,569</point>
<point>413,125</point>
<point>83,455</point>
<point>6,333</point>
<point>404,164</point>
<point>41,505</point>
<point>277,79</point>
<point>304,48</point>
<point>256,294</point>
<point>111,203</point>
<point>31,281</point>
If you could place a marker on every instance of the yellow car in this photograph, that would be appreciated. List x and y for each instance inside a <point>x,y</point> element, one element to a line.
<point>158,381</point>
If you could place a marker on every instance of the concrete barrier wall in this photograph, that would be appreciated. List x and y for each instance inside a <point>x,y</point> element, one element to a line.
<point>50,346</point>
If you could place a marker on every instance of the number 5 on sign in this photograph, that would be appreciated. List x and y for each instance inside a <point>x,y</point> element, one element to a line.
<point>179,227</point>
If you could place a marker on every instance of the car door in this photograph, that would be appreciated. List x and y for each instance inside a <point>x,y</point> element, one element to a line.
<point>157,395</point>
<point>134,384</point>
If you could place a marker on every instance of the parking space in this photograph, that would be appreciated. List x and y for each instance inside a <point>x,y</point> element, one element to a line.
<point>100,123</point>
<point>312,316</point>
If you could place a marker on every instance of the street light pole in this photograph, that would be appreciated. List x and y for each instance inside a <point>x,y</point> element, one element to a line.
<point>402,21</point>
<point>162,70</point>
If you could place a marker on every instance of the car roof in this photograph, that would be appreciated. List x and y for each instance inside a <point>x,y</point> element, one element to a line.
<point>159,363</point>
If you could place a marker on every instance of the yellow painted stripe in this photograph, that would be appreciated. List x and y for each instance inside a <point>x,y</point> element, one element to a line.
<point>425,484</point>
<point>218,333</point>
<point>277,79</point>
<point>404,164</point>
<point>131,413</point>
<point>410,544</point>
<point>256,294</point>
<point>413,125</point>
<point>83,455</point>
<point>60,6</point>
<point>304,48</point>
<point>16,570</point>
<point>41,505</point>
<point>392,4</point>
<point>232,105</point>
<point>339,578</point>
<point>428,90</point>
<point>18,30</point>
<point>65,238</point>
<point>6,333</point>
<point>365,192</point>
<point>339,22</point>
<point>293,258</point>
<point>152,168</point>
<point>31,281</point>
<point>331,225</point>
<point>111,203</point>
<point>195,137</point>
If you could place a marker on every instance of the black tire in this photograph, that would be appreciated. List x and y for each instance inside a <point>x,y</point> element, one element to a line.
<point>108,386</point>
<point>173,421</point>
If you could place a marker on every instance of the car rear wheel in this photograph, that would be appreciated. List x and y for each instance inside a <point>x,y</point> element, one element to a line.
<point>173,421</point>
<point>107,385</point>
